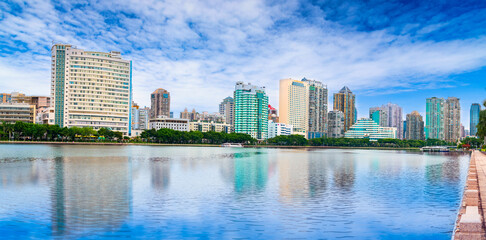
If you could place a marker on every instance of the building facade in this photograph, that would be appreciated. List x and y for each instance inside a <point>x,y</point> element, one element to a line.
<point>251,109</point>
<point>317,107</point>
<point>379,115</point>
<point>474,118</point>
<point>277,129</point>
<point>160,103</point>
<point>294,105</point>
<point>227,109</point>
<point>344,101</point>
<point>170,123</point>
<point>395,117</point>
<point>91,89</point>
<point>415,126</point>
<point>367,128</point>
<point>5,97</point>
<point>210,126</point>
<point>452,119</point>
<point>335,124</point>
<point>13,112</point>
<point>434,118</point>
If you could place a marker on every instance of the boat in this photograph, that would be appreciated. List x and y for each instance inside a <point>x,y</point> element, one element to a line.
<point>232,145</point>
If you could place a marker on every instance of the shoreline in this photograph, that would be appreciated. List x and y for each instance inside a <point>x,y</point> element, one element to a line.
<point>198,145</point>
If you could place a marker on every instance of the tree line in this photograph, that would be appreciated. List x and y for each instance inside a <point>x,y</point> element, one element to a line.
<point>165,135</point>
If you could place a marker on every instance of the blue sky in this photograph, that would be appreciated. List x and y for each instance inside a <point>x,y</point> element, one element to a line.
<point>384,51</point>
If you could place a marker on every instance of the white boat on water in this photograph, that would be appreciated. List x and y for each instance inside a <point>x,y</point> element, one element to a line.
<point>232,145</point>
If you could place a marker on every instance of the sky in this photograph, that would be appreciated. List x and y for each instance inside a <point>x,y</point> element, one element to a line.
<point>384,50</point>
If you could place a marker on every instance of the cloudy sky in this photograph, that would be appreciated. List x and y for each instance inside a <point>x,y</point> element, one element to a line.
<point>384,51</point>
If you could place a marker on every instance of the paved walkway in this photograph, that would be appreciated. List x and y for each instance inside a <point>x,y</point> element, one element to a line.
<point>470,221</point>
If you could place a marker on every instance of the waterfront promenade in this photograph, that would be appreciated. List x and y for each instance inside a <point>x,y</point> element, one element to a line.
<point>471,219</point>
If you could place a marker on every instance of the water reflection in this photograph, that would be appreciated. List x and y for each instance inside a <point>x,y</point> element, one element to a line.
<point>250,174</point>
<point>293,170</point>
<point>90,193</point>
<point>160,172</point>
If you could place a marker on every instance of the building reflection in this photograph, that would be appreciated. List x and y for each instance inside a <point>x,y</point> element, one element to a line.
<point>293,175</point>
<point>317,169</point>
<point>31,171</point>
<point>344,173</point>
<point>160,173</point>
<point>250,171</point>
<point>89,192</point>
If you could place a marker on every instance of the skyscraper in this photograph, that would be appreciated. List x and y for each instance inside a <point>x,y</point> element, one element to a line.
<point>415,126</point>
<point>160,103</point>
<point>251,110</point>
<point>380,116</point>
<point>91,89</point>
<point>452,119</point>
<point>317,116</point>
<point>344,101</point>
<point>434,118</point>
<point>335,124</point>
<point>474,118</point>
<point>227,109</point>
<point>294,105</point>
<point>395,117</point>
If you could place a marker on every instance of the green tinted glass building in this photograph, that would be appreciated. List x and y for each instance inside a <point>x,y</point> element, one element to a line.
<point>251,110</point>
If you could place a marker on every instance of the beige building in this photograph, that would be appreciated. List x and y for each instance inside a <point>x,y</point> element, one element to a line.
<point>209,126</point>
<point>13,112</point>
<point>452,119</point>
<point>294,105</point>
<point>344,101</point>
<point>90,89</point>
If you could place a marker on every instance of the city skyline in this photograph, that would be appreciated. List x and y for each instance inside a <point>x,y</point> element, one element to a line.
<point>189,49</point>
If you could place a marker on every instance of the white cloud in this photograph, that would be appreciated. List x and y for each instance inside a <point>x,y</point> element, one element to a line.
<point>198,49</point>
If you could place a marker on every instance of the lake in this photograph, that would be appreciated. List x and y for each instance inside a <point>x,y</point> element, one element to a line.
<point>154,192</point>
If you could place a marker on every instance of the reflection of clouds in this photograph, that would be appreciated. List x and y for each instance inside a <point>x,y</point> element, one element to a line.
<point>160,172</point>
<point>89,192</point>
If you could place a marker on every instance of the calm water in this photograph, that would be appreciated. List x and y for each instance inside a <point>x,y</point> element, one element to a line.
<point>194,192</point>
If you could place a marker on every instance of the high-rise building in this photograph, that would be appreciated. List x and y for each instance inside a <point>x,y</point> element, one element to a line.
<point>463,131</point>
<point>434,118</point>
<point>317,116</point>
<point>160,103</point>
<point>474,118</point>
<point>277,129</point>
<point>367,128</point>
<point>335,124</point>
<point>251,110</point>
<point>273,114</point>
<point>144,117</point>
<point>395,118</point>
<point>452,119</point>
<point>135,117</point>
<point>379,115</point>
<point>5,97</point>
<point>227,109</point>
<point>294,105</point>
<point>344,101</point>
<point>91,89</point>
<point>415,126</point>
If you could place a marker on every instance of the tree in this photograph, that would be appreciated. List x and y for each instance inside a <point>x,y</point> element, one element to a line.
<point>482,124</point>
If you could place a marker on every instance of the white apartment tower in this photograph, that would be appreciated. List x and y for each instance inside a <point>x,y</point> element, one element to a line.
<point>91,89</point>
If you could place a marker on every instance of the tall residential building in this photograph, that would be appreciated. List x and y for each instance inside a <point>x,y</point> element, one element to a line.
<point>144,117</point>
<point>160,103</point>
<point>415,126</point>
<point>335,124</point>
<point>434,118</point>
<point>91,89</point>
<point>317,116</point>
<point>395,117</point>
<point>367,128</point>
<point>379,115</point>
<point>474,118</point>
<point>5,97</point>
<point>344,101</point>
<point>135,117</point>
<point>452,119</point>
<point>227,109</point>
<point>251,109</point>
<point>277,129</point>
<point>294,105</point>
